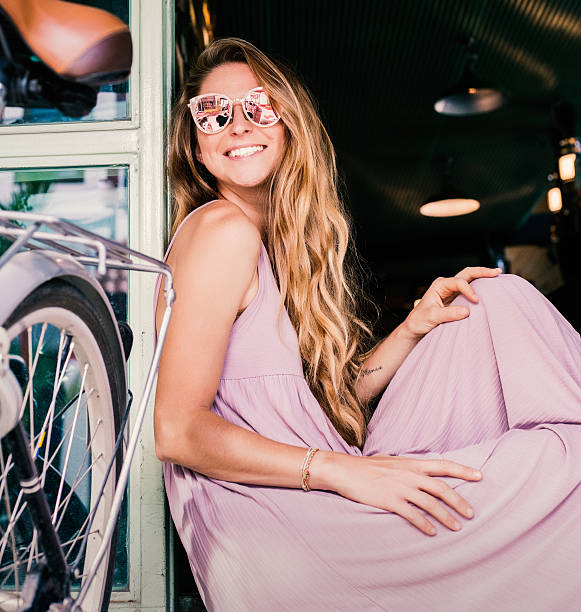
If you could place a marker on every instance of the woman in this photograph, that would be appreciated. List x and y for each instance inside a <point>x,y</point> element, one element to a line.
<point>265,362</point>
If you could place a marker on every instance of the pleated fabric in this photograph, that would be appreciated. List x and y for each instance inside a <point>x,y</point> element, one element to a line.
<point>499,391</point>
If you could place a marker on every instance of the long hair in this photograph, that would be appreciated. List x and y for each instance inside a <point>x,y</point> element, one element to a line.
<point>308,230</point>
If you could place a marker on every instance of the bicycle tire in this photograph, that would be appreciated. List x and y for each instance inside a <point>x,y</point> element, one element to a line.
<point>91,342</point>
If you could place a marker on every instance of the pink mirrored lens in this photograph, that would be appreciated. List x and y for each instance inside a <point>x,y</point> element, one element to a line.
<point>258,108</point>
<point>212,113</point>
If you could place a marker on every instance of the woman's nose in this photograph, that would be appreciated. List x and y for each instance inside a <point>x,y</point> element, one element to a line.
<point>240,123</point>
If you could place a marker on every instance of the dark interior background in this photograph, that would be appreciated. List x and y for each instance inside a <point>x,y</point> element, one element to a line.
<point>376,68</point>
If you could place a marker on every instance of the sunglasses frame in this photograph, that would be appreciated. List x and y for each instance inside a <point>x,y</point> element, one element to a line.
<point>193,101</point>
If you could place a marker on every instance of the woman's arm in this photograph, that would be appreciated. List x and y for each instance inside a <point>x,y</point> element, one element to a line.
<point>214,263</point>
<point>433,309</point>
<point>380,367</point>
<point>214,260</point>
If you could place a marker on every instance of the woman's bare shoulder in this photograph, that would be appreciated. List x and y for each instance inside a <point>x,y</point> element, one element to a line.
<point>221,229</point>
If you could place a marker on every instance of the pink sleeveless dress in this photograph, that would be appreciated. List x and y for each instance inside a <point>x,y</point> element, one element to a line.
<point>499,391</point>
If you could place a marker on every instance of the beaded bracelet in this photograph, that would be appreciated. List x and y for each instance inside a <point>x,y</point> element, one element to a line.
<point>305,474</point>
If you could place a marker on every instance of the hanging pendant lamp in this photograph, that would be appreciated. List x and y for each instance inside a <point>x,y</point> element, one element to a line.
<point>569,149</point>
<point>470,96</point>
<point>448,202</point>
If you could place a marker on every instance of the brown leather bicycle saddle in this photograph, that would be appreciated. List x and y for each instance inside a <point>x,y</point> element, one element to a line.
<point>80,43</point>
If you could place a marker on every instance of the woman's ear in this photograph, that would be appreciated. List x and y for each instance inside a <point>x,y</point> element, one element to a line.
<point>198,153</point>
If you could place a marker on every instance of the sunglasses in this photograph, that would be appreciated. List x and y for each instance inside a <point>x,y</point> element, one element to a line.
<point>213,111</point>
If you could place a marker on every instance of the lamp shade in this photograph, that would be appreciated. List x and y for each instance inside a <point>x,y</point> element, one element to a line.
<point>469,96</point>
<point>449,207</point>
<point>449,202</point>
<point>469,101</point>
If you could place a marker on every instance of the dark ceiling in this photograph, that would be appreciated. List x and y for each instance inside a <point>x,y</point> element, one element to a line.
<point>376,68</point>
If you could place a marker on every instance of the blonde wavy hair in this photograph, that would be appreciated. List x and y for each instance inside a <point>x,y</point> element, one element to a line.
<point>308,231</point>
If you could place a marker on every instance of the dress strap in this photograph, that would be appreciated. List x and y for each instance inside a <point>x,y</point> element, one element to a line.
<point>158,281</point>
<point>182,224</point>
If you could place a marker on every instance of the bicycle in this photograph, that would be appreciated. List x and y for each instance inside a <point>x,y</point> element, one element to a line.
<point>64,400</point>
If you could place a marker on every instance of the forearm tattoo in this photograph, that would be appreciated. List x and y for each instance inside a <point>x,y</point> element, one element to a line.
<point>365,372</point>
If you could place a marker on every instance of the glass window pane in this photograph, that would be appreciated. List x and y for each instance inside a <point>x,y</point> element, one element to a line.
<point>96,198</point>
<point>112,100</point>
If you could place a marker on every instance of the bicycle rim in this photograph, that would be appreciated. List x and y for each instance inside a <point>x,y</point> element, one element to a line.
<point>70,412</point>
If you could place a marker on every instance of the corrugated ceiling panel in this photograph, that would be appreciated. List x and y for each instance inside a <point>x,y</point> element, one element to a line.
<point>376,68</point>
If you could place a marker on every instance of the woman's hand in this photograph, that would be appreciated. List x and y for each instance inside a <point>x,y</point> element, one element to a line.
<point>403,485</point>
<point>434,308</point>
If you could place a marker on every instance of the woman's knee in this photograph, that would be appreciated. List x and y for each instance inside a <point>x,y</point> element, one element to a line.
<point>502,287</point>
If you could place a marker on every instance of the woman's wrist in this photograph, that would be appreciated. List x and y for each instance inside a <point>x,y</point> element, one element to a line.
<point>406,331</point>
<point>325,470</point>
<point>321,466</point>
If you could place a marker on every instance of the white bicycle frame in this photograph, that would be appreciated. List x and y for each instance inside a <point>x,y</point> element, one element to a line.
<point>48,247</point>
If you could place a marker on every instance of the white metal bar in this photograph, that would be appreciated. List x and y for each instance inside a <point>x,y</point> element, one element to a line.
<point>123,476</point>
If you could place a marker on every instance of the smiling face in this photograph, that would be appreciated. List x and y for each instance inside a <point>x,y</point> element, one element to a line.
<point>243,155</point>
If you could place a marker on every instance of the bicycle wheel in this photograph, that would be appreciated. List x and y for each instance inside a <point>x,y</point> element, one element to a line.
<point>66,356</point>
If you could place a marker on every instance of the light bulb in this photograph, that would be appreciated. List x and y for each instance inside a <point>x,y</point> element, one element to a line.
<point>567,166</point>
<point>554,199</point>
<point>452,207</point>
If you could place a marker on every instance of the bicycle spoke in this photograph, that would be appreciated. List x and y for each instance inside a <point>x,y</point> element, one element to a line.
<point>64,409</point>
<point>62,442</point>
<point>34,550</point>
<point>50,412</point>
<point>32,370</point>
<point>77,480</point>
<point>58,447</point>
<point>5,468</point>
<point>31,398</point>
<point>68,453</point>
<point>16,514</point>
<point>36,556</point>
<point>67,499</point>
<point>78,538</point>
<point>59,375</point>
<point>7,507</point>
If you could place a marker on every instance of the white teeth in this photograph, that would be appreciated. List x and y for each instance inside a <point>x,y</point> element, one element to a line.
<point>245,151</point>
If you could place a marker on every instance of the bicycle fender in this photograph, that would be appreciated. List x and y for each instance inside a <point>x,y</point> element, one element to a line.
<point>29,269</point>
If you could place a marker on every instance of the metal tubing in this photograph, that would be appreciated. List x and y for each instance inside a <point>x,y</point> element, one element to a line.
<point>15,246</point>
<point>156,269</point>
<point>135,432</point>
<point>98,246</point>
<point>69,229</point>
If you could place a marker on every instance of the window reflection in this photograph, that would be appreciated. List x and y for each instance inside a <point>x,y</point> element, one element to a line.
<point>112,100</point>
<point>94,198</point>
